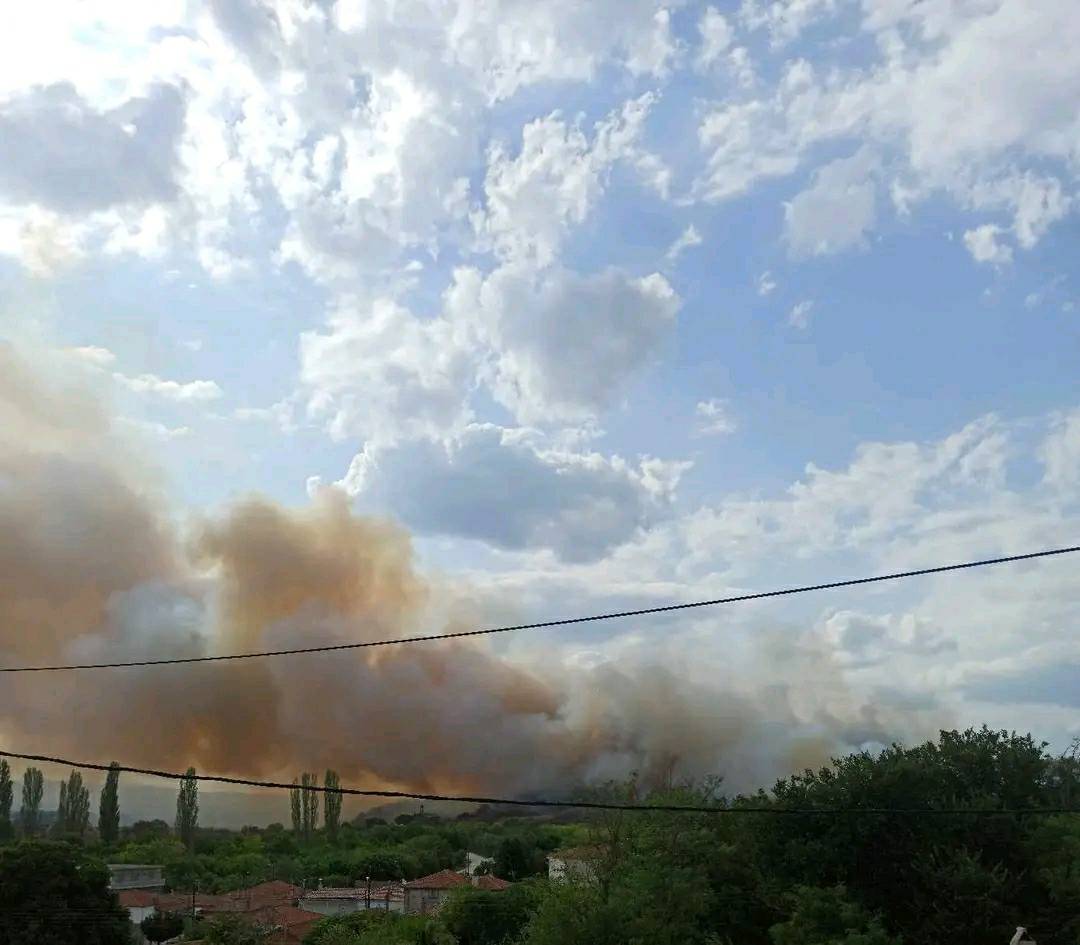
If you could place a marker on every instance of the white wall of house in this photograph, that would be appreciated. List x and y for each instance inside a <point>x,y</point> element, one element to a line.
<point>423,901</point>
<point>135,876</point>
<point>568,869</point>
<point>138,913</point>
<point>331,906</point>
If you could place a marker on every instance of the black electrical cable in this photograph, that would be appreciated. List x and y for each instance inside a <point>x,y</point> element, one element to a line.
<point>585,805</point>
<point>566,621</point>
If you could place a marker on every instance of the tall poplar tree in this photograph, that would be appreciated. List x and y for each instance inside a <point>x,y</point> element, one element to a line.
<point>109,806</point>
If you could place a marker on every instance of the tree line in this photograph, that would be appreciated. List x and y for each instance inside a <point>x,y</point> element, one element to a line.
<point>73,809</point>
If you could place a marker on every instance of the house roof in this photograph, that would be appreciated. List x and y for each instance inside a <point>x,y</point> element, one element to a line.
<point>287,916</point>
<point>444,879</point>
<point>274,890</point>
<point>378,891</point>
<point>491,883</point>
<point>136,898</point>
<point>181,902</point>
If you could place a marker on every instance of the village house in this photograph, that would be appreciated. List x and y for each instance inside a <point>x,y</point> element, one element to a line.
<point>474,862</point>
<point>136,876</point>
<point>573,863</point>
<point>389,897</point>
<point>286,924</point>
<point>138,902</point>
<point>426,895</point>
<point>270,905</point>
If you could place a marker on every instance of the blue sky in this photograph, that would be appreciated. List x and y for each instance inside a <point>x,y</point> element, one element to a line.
<point>604,302</point>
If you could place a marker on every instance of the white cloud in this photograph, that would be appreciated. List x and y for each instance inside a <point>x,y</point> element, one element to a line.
<point>860,639</point>
<point>784,19</point>
<point>534,198</point>
<point>1060,451</point>
<point>836,211</point>
<point>974,100</point>
<point>154,430</point>
<point>716,37</point>
<point>982,242</point>
<point>688,239</point>
<point>765,283</point>
<point>58,151</point>
<point>799,316</point>
<point>563,346</point>
<point>714,418</point>
<point>181,392</point>
<point>379,371</point>
<point>652,51</point>
<point>579,505</point>
<point>94,355</point>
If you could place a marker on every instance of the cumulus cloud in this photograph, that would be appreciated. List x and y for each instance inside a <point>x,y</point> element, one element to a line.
<point>1060,451</point>
<point>836,211</point>
<point>564,346</point>
<point>58,151</point>
<point>956,94</point>
<point>716,36</point>
<point>688,239</point>
<point>535,197</point>
<point>765,283</point>
<point>985,247</point>
<point>860,639</point>
<point>799,316</point>
<point>498,486</point>
<point>378,370</point>
<point>714,418</point>
<point>178,391</point>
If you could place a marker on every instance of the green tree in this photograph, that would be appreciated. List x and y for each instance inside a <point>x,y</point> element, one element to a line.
<point>187,809</point>
<point>161,926</point>
<point>296,808</point>
<point>60,825</point>
<point>32,789</point>
<point>577,914</point>
<point>515,859</point>
<point>234,930</point>
<point>51,894</point>
<point>109,806</point>
<point>309,804</point>
<point>332,804</point>
<point>828,917</point>
<point>7,792</point>
<point>74,816</point>
<point>476,917</point>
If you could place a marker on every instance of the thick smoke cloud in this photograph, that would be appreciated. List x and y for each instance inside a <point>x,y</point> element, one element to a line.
<point>94,565</point>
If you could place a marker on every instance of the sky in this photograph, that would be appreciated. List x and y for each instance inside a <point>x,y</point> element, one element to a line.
<point>609,304</point>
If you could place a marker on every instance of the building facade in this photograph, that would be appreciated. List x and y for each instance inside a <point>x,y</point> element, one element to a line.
<point>136,876</point>
<point>389,897</point>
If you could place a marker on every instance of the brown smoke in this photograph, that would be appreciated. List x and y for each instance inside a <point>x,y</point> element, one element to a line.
<point>92,567</point>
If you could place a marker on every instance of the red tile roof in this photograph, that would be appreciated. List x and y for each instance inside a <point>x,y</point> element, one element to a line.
<point>444,879</point>
<point>288,916</point>
<point>275,890</point>
<point>492,883</point>
<point>136,898</point>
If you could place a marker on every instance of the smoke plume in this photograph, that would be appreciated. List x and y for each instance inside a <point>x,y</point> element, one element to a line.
<point>94,565</point>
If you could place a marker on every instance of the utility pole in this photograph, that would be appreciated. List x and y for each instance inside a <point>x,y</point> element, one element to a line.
<point>194,886</point>
<point>368,893</point>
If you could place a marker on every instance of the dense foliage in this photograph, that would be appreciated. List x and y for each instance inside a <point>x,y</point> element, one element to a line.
<point>913,871</point>
<point>224,860</point>
<point>51,893</point>
<point>162,926</point>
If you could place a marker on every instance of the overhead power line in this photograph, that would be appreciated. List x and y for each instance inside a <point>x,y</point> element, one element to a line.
<point>561,622</point>
<point>584,805</point>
